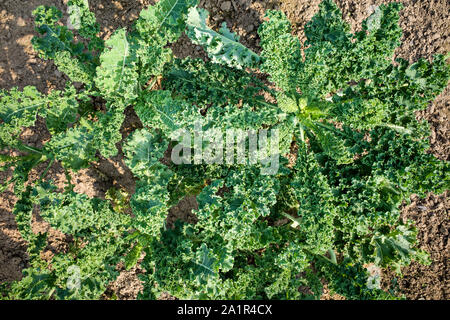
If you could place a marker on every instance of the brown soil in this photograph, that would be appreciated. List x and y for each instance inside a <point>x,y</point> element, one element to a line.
<point>419,281</point>
<point>426,26</point>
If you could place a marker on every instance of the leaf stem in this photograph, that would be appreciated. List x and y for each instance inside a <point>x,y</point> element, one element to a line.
<point>396,128</point>
<point>24,147</point>
<point>293,219</point>
<point>46,170</point>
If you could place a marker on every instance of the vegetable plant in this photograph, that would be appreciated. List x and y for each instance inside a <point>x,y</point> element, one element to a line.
<point>349,145</point>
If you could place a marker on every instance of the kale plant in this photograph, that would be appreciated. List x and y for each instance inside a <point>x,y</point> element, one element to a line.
<point>349,151</point>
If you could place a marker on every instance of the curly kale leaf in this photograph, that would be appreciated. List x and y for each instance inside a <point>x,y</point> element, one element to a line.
<point>150,201</point>
<point>327,25</point>
<point>332,141</point>
<point>149,204</point>
<point>334,57</point>
<point>143,152</point>
<point>223,47</point>
<point>117,74</point>
<point>361,114</point>
<point>19,110</point>
<point>164,22</point>
<point>404,160</point>
<point>349,280</point>
<point>157,26</point>
<point>77,146</point>
<point>83,20</point>
<point>57,42</point>
<point>89,265</point>
<point>76,214</point>
<point>314,207</point>
<point>281,53</point>
<point>73,68</point>
<point>205,83</point>
<point>158,109</point>
<point>397,248</point>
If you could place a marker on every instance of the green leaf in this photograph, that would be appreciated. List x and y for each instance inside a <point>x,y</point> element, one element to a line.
<point>77,146</point>
<point>159,110</point>
<point>332,142</point>
<point>56,41</point>
<point>205,264</point>
<point>205,83</point>
<point>281,53</point>
<point>83,20</point>
<point>73,68</point>
<point>395,247</point>
<point>327,25</point>
<point>158,25</point>
<point>133,256</point>
<point>20,106</point>
<point>143,152</point>
<point>117,74</point>
<point>222,47</point>
<point>165,21</point>
<point>287,103</point>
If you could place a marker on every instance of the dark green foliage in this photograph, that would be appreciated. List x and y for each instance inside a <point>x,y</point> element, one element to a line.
<point>350,281</point>
<point>281,51</point>
<point>58,43</point>
<point>207,83</point>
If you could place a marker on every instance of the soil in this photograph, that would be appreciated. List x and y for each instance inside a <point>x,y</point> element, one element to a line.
<point>426,26</point>
<point>419,281</point>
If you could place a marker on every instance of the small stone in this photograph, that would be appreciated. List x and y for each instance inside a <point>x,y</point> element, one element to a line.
<point>226,6</point>
<point>58,73</point>
<point>218,18</point>
<point>21,22</point>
